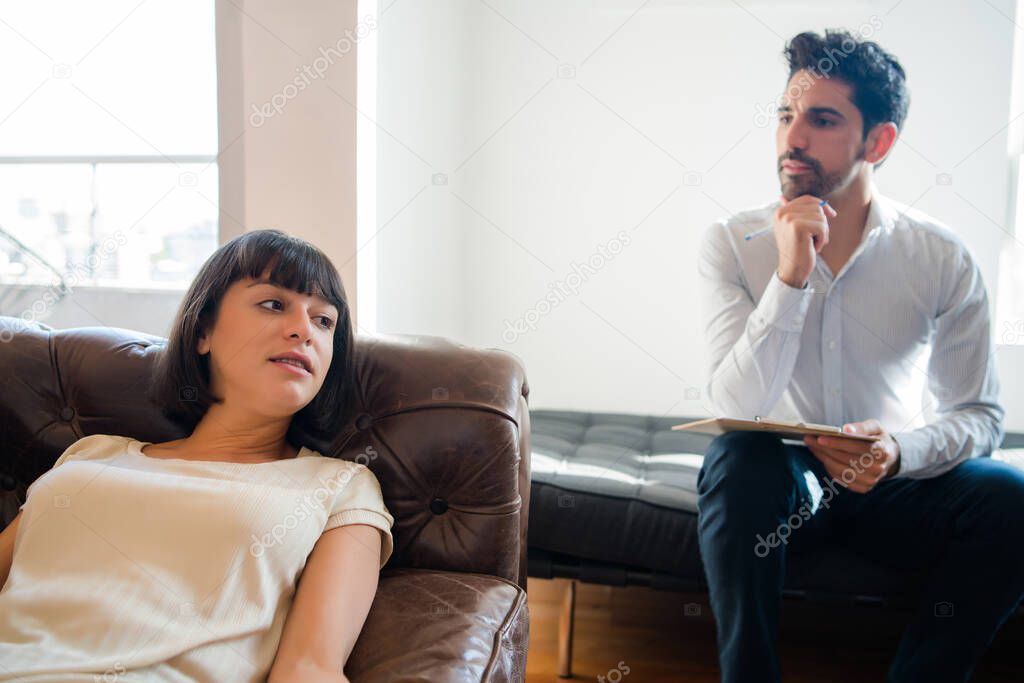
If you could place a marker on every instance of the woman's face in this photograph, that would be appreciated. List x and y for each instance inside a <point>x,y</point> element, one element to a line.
<point>258,324</point>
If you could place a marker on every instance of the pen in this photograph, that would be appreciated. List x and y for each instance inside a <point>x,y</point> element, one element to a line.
<point>758,233</point>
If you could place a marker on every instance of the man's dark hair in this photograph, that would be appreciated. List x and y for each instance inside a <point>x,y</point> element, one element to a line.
<point>876,78</point>
<point>181,386</point>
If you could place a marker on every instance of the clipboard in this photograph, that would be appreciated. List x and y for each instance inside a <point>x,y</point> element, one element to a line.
<point>716,426</point>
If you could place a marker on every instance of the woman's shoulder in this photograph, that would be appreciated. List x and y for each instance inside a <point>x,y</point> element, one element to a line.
<point>319,459</point>
<point>95,447</point>
<point>338,470</point>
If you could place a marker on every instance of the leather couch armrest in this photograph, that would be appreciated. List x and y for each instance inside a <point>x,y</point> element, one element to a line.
<point>445,428</point>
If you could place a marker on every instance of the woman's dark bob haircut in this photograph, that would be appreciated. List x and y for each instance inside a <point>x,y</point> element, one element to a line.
<point>182,383</point>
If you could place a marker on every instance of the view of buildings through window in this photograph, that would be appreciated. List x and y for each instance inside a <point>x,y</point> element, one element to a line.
<point>108,143</point>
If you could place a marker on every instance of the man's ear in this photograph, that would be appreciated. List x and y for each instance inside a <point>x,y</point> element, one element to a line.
<point>880,141</point>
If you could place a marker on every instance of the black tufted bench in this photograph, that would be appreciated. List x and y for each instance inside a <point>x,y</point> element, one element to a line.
<point>614,501</point>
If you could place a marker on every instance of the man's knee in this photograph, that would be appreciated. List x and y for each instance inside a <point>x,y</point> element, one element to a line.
<point>746,460</point>
<point>997,498</point>
<point>744,452</point>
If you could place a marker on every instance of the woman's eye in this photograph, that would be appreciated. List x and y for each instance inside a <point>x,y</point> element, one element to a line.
<point>271,301</point>
<point>276,305</point>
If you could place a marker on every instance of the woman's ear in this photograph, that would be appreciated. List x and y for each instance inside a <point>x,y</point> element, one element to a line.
<point>203,345</point>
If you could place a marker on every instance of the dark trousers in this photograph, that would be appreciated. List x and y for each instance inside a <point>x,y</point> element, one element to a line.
<point>964,529</point>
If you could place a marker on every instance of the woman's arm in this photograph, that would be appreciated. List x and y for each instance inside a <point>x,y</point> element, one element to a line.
<point>7,549</point>
<point>331,602</point>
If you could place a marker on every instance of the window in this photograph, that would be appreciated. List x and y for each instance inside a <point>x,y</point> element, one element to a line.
<point>1010,290</point>
<point>108,142</point>
<point>1010,299</point>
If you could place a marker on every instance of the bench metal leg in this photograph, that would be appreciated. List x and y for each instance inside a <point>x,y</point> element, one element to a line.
<point>565,630</point>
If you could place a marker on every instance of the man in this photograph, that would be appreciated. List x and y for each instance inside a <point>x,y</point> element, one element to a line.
<point>821,307</point>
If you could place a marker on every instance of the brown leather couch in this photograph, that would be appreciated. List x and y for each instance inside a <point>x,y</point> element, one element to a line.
<point>450,425</point>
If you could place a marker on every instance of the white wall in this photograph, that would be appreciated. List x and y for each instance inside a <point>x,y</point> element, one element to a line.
<point>424,93</point>
<point>655,125</point>
<point>286,97</point>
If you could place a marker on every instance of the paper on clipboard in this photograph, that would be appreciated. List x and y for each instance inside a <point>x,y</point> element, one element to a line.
<point>787,430</point>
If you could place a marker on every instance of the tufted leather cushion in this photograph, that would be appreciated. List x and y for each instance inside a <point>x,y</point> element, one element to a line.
<point>617,489</point>
<point>614,501</point>
<point>449,423</point>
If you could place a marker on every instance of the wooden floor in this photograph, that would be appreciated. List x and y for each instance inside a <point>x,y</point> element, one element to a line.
<point>637,635</point>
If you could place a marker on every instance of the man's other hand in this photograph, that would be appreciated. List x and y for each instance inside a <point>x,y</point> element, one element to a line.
<point>857,465</point>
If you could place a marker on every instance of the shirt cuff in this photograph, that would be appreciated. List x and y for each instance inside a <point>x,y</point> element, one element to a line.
<point>784,307</point>
<point>913,449</point>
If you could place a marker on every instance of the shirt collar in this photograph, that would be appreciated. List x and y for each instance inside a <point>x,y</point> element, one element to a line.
<point>881,214</point>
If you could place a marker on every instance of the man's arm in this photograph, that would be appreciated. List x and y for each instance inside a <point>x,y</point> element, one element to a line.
<point>752,349</point>
<point>962,376</point>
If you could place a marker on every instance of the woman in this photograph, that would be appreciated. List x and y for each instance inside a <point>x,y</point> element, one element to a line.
<point>177,561</point>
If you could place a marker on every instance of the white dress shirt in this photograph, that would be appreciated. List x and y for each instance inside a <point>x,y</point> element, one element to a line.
<point>908,311</point>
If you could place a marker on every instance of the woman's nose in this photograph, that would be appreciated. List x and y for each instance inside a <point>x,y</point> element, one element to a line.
<point>300,325</point>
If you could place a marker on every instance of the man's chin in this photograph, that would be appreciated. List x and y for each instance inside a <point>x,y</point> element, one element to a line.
<point>792,189</point>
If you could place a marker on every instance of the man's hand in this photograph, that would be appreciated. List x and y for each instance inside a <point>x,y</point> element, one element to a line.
<point>801,231</point>
<point>857,465</point>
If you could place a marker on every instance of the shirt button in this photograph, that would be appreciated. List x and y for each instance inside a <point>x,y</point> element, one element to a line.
<point>832,344</point>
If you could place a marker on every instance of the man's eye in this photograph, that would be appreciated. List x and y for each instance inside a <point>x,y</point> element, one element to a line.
<point>784,119</point>
<point>825,123</point>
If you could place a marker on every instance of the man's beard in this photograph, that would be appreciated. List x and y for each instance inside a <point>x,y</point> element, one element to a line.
<point>815,182</point>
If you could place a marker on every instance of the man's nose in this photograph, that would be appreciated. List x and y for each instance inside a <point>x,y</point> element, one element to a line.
<point>796,134</point>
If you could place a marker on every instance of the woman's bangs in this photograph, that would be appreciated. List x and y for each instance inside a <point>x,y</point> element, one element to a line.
<point>293,265</point>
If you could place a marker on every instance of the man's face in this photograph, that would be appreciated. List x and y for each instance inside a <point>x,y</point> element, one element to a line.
<point>257,321</point>
<point>819,140</point>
